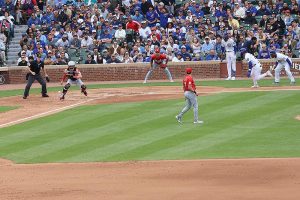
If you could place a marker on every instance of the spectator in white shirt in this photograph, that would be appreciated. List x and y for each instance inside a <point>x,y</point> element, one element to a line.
<point>120,34</point>
<point>239,12</point>
<point>86,41</point>
<point>144,31</point>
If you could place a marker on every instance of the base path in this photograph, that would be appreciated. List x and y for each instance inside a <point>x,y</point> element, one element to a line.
<point>234,179</point>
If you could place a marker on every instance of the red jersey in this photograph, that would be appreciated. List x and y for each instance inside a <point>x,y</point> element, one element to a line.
<point>188,80</point>
<point>158,59</point>
<point>134,25</point>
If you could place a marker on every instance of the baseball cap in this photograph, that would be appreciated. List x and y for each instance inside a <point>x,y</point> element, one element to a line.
<point>94,31</point>
<point>157,50</point>
<point>188,70</point>
<point>183,47</point>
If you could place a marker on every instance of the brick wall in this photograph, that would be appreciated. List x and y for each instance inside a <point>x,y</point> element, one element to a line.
<point>137,71</point>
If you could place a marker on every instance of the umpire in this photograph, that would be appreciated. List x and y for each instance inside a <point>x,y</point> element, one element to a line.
<point>34,69</point>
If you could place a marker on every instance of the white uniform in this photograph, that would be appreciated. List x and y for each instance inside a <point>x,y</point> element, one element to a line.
<point>230,57</point>
<point>256,69</point>
<point>282,62</point>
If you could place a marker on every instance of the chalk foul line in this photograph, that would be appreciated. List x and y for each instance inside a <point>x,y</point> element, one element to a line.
<point>44,114</point>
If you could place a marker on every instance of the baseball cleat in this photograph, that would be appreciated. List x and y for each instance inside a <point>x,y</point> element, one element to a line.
<point>276,83</point>
<point>145,82</point>
<point>198,122</point>
<point>293,83</point>
<point>85,93</point>
<point>233,78</point>
<point>255,86</point>
<point>178,119</point>
<point>171,81</point>
<point>227,79</point>
<point>45,95</point>
<point>24,97</point>
<point>269,73</point>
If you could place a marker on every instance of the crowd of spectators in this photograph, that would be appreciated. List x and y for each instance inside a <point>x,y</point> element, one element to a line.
<point>127,31</point>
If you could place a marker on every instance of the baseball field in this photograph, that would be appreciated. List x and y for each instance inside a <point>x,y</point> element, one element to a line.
<point>123,142</point>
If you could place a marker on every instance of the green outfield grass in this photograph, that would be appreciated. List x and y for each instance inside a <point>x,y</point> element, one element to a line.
<point>236,125</point>
<point>7,108</point>
<point>220,83</point>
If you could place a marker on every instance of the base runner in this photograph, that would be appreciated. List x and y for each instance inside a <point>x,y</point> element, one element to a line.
<point>158,60</point>
<point>74,77</point>
<point>254,68</point>
<point>190,95</point>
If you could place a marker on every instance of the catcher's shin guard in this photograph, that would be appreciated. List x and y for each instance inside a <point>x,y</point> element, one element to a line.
<point>83,90</point>
<point>65,90</point>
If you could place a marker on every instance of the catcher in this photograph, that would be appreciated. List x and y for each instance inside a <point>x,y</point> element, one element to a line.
<point>160,60</point>
<point>74,77</point>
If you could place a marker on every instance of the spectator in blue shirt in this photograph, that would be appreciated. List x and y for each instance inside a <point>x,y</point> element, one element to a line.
<point>252,9</point>
<point>45,18</point>
<point>33,20</point>
<point>263,10</point>
<point>185,55</point>
<point>106,37</point>
<point>264,53</point>
<point>137,16</point>
<point>186,45</point>
<point>152,17</point>
<point>198,12</point>
<point>207,46</point>
<point>220,12</point>
<point>163,17</point>
<point>212,55</point>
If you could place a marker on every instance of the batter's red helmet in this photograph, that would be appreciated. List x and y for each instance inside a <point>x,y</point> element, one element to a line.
<point>188,70</point>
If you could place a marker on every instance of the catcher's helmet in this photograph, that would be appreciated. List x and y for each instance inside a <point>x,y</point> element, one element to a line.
<point>71,63</point>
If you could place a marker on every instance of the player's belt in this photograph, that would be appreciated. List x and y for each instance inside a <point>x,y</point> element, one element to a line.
<point>229,51</point>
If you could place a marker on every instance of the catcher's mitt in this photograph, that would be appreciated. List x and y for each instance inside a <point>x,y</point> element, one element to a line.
<point>47,79</point>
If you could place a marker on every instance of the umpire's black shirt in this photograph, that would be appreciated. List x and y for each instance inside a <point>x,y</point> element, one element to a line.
<point>36,67</point>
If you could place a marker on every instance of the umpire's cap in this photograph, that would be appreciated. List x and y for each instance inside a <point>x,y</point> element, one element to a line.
<point>188,70</point>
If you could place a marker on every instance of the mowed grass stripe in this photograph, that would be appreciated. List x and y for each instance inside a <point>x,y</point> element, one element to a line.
<point>225,122</point>
<point>71,124</point>
<point>94,143</point>
<point>144,138</point>
<point>94,134</point>
<point>67,128</point>
<point>68,118</point>
<point>220,135</point>
<point>154,131</point>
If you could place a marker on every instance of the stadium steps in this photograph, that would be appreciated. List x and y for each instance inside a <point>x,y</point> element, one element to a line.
<point>14,45</point>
